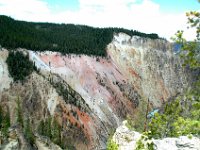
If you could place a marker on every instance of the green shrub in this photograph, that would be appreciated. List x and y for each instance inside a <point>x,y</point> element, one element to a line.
<point>145,142</point>
<point>111,145</point>
<point>179,118</point>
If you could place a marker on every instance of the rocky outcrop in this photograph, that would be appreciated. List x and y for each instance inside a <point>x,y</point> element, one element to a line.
<point>127,140</point>
<point>17,141</point>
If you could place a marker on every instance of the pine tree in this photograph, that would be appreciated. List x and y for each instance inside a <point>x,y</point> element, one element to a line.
<point>48,129</point>
<point>1,116</point>
<point>28,132</point>
<point>19,112</point>
<point>56,133</point>
<point>4,121</point>
<point>41,128</point>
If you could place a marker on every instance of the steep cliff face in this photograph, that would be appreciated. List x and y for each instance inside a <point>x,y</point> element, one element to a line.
<point>4,74</point>
<point>150,65</point>
<point>90,96</point>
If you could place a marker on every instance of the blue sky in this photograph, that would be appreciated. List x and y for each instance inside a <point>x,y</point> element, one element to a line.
<point>177,5</point>
<point>62,5</point>
<point>165,5</point>
<point>164,17</point>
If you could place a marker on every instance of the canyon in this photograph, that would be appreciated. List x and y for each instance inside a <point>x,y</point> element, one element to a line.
<point>90,96</point>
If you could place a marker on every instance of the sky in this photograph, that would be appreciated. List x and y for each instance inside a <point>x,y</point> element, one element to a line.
<point>163,17</point>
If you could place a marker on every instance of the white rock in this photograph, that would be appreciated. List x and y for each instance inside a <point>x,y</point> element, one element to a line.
<point>126,139</point>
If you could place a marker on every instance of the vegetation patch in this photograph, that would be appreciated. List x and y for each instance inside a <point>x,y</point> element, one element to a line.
<point>64,38</point>
<point>4,122</point>
<point>111,145</point>
<point>19,65</point>
<point>50,128</point>
<point>145,142</point>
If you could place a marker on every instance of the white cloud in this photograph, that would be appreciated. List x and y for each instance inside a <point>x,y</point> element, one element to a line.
<point>145,16</point>
<point>105,3</point>
<point>31,10</point>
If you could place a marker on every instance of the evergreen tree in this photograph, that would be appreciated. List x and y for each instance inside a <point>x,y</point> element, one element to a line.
<point>41,128</point>
<point>4,121</point>
<point>1,116</point>
<point>19,112</point>
<point>28,132</point>
<point>56,133</point>
<point>48,129</point>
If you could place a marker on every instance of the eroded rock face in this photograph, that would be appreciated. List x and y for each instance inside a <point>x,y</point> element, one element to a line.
<point>90,96</point>
<point>150,65</point>
<point>4,75</point>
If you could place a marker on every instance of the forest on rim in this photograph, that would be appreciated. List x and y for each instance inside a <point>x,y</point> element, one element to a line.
<point>64,38</point>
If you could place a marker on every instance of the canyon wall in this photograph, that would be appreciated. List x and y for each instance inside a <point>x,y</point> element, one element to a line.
<point>90,96</point>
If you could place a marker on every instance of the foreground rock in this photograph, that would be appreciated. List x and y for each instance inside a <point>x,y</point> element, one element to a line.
<point>127,139</point>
